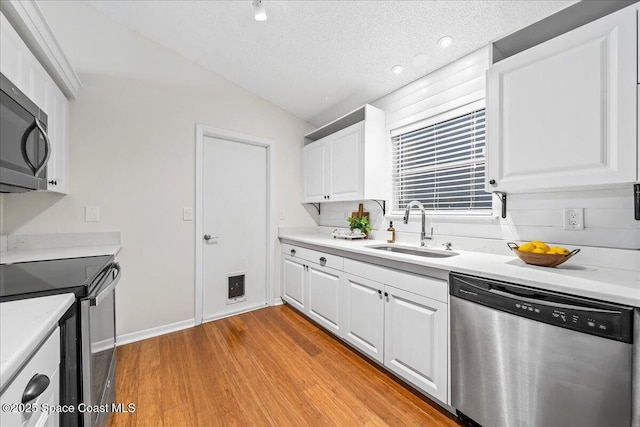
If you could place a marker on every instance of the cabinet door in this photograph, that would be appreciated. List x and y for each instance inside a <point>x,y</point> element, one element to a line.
<point>57,172</point>
<point>364,315</point>
<point>563,114</point>
<point>313,171</point>
<point>346,164</point>
<point>416,340</point>
<point>293,276</point>
<point>324,297</point>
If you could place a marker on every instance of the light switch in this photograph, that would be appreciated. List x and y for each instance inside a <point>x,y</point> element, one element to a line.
<point>92,213</point>
<point>187,214</point>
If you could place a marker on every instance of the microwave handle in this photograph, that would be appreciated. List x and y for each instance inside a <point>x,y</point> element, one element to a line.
<point>47,151</point>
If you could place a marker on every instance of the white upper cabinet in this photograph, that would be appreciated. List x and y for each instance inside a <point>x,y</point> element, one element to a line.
<point>22,68</point>
<point>563,114</point>
<point>345,160</point>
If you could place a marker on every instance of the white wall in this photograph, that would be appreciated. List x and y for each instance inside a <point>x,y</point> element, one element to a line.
<point>132,153</point>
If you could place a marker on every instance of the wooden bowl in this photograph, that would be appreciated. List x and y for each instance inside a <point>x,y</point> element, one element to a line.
<point>544,260</point>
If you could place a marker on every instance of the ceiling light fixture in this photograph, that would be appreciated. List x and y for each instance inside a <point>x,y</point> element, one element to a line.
<point>445,41</point>
<point>259,12</point>
<point>397,69</point>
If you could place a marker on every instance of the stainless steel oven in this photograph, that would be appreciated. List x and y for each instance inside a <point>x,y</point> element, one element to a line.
<point>98,346</point>
<point>24,144</point>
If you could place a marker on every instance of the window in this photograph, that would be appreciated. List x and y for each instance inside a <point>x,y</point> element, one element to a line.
<point>442,166</point>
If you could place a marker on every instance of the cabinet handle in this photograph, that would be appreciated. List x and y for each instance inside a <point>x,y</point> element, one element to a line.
<point>35,387</point>
<point>53,182</point>
<point>379,292</point>
<point>293,252</point>
<point>386,294</point>
<point>323,261</point>
<point>492,181</point>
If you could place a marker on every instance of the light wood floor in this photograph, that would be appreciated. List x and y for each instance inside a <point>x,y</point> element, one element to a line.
<point>268,367</point>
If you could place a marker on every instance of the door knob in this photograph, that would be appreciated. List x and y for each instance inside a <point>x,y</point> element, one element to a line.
<point>208,237</point>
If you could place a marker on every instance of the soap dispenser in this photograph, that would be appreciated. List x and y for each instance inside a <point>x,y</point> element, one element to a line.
<point>392,233</point>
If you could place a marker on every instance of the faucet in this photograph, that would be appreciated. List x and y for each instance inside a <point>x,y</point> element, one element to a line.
<point>423,234</point>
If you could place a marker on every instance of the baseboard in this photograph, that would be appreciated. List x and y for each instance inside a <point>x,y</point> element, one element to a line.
<point>154,332</point>
<point>277,301</point>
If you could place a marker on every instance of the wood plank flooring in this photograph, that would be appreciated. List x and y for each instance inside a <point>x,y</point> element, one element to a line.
<point>270,367</point>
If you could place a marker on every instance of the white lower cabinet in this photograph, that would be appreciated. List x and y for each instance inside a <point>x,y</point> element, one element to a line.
<point>364,315</point>
<point>42,368</point>
<point>311,284</point>
<point>396,318</point>
<point>324,297</point>
<point>293,279</point>
<point>415,344</point>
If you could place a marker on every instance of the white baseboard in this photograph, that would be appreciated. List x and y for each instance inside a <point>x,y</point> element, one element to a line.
<point>154,332</point>
<point>277,301</point>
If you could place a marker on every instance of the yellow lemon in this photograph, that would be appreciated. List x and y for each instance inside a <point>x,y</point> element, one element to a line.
<point>527,247</point>
<point>540,245</point>
<point>539,251</point>
<point>559,250</point>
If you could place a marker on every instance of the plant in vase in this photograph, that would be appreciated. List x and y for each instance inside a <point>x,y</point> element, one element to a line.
<point>360,223</point>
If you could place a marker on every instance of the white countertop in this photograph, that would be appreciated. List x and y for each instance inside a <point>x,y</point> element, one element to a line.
<point>24,325</point>
<point>607,284</point>
<point>27,255</point>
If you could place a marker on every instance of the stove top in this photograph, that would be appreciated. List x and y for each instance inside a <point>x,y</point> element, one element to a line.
<point>40,278</point>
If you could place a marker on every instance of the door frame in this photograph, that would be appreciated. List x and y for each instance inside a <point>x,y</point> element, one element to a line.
<point>203,131</point>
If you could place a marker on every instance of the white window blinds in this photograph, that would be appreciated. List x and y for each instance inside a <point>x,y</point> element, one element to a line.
<point>442,166</point>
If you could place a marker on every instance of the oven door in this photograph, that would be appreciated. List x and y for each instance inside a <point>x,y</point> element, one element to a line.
<point>98,347</point>
<point>25,147</point>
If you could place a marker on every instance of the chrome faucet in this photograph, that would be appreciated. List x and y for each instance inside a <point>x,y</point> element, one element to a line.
<point>423,234</point>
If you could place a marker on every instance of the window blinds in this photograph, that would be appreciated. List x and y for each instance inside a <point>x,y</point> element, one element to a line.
<point>442,166</point>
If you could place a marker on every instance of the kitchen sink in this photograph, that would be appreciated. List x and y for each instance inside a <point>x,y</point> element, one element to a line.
<point>428,253</point>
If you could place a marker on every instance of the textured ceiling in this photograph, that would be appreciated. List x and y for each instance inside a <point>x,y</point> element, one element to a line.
<point>320,59</point>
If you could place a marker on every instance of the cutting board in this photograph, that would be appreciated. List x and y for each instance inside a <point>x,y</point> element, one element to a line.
<point>360,212</point>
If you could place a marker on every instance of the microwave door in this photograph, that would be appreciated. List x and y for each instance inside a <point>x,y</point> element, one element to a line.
<point>24,148</point>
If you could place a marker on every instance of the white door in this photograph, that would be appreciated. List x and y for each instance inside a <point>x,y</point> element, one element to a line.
<point>364,315</point>
<point>415,343</point>
<point>234,226</point>
<point>324,297</point>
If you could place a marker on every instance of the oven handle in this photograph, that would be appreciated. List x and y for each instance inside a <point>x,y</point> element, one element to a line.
<point>96,300</point>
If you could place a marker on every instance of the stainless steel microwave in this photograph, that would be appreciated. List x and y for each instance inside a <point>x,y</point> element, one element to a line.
<point>24,144</point>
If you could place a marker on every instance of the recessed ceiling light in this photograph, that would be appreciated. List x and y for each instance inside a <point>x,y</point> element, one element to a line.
<point>420,60</point>
<point>259,12</point>
<point>397,69</point>
<point>445,41</point>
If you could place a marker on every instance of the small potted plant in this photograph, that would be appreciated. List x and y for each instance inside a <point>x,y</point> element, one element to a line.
<point>360,223</point>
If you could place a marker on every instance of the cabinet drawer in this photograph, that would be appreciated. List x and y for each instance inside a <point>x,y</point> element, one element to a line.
<point>316,257</point>
<point>45,361</point>
<point>414,283</point>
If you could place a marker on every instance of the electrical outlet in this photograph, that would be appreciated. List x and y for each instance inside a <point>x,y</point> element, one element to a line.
<point>574,218</point>
<point>187,214</point>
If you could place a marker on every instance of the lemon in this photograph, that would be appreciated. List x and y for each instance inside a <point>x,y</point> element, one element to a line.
<point>527,247</point>
<point>558,250</point>
<point>540,245</point>
<point>539,251</point>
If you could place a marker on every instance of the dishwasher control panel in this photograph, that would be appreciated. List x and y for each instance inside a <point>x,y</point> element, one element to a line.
<point>580,314</point>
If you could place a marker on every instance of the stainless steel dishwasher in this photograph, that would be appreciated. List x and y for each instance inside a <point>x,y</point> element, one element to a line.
<point>527,357</point>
